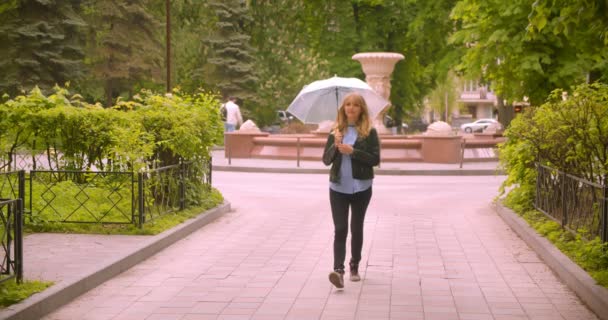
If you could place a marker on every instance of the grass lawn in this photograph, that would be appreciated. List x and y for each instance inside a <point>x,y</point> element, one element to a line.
<point>11,292</point>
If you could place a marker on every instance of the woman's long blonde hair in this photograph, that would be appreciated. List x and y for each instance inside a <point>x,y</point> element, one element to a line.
<point>363,124</point>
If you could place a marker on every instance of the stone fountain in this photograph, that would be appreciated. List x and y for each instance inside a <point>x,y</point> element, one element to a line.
<point>378,67</point>
<point>439,144</point>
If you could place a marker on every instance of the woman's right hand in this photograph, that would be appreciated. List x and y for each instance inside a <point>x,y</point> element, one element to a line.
<point>338,137</point>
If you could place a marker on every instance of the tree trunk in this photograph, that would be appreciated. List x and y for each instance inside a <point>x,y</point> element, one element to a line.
<point>505,112</point>
<point>108,93</point>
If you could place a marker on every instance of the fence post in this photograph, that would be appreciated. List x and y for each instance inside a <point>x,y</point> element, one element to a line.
<point>182,187</point>
<point>21,188</point>
<point>538,177</point>
<point>21,184</point>
<point>31,195</point>
<point>19,240</point>
<point>298,152</point>
<point>227,145</point>
<point>463,145</point>
<point>140,200</point>
<point>564,211</point>
<point>604,234</point>
<point>210,171</point>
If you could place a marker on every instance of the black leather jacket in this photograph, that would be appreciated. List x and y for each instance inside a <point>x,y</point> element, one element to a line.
<point>366,155</point>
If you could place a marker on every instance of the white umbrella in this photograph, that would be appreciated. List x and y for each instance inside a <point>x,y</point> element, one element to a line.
<point>320,100</point>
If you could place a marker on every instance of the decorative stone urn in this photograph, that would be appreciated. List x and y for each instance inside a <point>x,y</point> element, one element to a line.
<point>378,67</point>
<point>440,144</point>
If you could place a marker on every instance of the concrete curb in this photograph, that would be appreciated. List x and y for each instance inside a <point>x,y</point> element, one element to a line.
<point>58,295</point>
<point>391,172</point>
<point>579,281</point>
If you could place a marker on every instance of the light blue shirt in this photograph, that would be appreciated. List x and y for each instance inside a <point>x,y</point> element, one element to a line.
<point>348,184</point>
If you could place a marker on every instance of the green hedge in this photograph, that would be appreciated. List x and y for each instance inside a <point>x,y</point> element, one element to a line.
<point>149,131</point>
<point>570,135</point>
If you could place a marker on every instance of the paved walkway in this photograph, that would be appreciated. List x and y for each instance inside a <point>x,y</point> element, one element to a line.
<point>434,249</point>
<point>67,257</point>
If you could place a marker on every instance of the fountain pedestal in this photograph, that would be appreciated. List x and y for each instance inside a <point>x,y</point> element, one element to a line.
<point>378,67</point>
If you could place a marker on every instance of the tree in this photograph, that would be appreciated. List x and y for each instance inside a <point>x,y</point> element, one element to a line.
<point>442,99</point>
<point>123,45</point>
<point>582,22</point>
<point>284,61</point>
<point>41,44</point>
<point>498,49</point>
<point>190,20</point>
<point>231,57</point>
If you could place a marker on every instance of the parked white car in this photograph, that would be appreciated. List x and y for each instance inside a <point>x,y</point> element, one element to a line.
<point>478,125</point>
<point>284,116</point>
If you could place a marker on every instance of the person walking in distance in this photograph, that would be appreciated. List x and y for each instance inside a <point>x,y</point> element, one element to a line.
<point>352,150</point>
<point>233,115</point>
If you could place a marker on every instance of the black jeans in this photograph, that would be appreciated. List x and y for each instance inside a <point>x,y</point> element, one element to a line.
<point>340,203</point>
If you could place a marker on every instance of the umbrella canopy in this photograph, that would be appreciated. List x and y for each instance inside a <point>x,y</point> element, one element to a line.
<point>320,100</point>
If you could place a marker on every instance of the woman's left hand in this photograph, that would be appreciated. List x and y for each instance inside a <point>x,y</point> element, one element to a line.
<point>345,148</point>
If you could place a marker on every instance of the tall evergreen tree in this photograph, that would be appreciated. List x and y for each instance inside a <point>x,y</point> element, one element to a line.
<point>190,19</point>
<point>283,60</point>
<point>231,59</point>
<point>124,45</point>
<point>41,44</point>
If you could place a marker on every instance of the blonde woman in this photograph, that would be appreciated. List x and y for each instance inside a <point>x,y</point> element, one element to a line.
<point>352,149</point>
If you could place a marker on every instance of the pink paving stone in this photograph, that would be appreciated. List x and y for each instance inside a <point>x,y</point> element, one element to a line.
<point>400,315</point>
<point>440,315</point>
<point>475,316</point>
<point>416,308</point>
<point>406,300</point>
<point>199,317</point>
<point>131,317</point>
<point>238,311</point>
<point>471,305</point>
<point>297,313</point>
<point>208,307</point>
<point>165,317</point>
<point>269,259</point>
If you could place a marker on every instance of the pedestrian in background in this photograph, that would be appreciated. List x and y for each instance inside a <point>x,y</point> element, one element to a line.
<point>352,149</point>
<point>232,113</point>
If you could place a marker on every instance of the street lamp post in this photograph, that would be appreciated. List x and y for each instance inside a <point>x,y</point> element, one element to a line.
<point>168,30</point>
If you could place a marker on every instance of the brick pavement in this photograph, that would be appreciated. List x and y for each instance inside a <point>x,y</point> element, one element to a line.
<point>80,254</point>
<point>434,249</point>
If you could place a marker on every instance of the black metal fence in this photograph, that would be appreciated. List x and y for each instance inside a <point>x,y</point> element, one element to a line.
<point>39,160</point>
<point>171,188</point>
<point>12,185</point>
<point>115,197</point>
<point>577,204</point>
<point>11,240</point>
<point>82,196</point>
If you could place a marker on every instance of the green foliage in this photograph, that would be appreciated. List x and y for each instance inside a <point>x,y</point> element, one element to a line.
<point>500,47</point>
<point>41,44</point>
<point>11,292</point>
<point>180,125</point>
<point>301,41</point>
<point>572,136</point>
<point>231,57</point>
<point>284,61</point>
<point>586,28</point>
<point>123,46</point>
<point>150,130</point>
<point>190,20</point>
